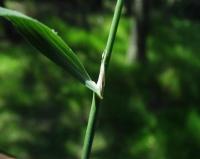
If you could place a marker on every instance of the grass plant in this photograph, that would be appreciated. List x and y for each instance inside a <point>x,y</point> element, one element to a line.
<point>48,42</point>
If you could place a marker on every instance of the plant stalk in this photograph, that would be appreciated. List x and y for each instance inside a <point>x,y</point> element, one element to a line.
<point>112,34</point>
<point>90,132</point>
<point>109,46</point>
<point>89,136</point>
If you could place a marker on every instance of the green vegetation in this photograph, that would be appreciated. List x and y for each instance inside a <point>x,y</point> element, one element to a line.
<point>50,44</point>
<point>149,110</point>
<point>90,132</point>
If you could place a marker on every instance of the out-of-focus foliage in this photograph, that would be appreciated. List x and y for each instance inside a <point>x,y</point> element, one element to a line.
<point>150,111</point>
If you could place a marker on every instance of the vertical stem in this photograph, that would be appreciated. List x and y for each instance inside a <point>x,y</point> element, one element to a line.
<point>89,136</point>
<point>109,46</point>
<point>112,34</point>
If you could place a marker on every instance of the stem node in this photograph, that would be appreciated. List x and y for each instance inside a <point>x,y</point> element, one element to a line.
<point>101,82</point>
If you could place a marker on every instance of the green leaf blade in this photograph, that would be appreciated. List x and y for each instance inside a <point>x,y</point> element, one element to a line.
<point>50,44</point>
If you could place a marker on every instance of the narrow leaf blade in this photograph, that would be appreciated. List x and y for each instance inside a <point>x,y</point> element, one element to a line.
<point>50,44</point>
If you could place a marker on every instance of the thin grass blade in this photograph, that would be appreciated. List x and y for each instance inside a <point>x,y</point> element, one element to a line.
<point>50,44</point>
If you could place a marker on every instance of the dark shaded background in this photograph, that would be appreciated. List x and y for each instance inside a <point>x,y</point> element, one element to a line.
<point>151,107</point>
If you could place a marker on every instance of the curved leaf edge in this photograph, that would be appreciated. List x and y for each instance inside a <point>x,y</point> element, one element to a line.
<point>7,14</point>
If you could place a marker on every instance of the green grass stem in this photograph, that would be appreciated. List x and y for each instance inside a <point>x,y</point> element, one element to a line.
<point>90,132</point>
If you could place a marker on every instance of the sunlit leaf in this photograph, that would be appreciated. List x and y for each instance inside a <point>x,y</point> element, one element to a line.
<point>50,44</point>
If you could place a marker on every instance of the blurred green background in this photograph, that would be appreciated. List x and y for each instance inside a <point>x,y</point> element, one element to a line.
<point>151,104</point>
